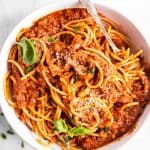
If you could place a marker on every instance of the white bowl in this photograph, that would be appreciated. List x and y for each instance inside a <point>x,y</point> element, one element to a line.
<point>137,40</point>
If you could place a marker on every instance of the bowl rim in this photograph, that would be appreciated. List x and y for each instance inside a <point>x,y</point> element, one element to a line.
<point>27,22</point>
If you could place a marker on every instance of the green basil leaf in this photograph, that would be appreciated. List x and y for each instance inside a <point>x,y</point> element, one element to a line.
<point>51,39</point>
<point>28,69</point>
<point>76,131</point>
<point>28,51</point>
<point>61,126</point>
<point>76,28</point>
<point>91,70</point>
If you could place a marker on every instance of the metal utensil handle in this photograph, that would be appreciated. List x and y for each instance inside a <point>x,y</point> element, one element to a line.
<point>93,12</point>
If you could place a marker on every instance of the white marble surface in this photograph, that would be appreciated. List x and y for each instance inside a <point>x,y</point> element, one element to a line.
<point>13,11</point>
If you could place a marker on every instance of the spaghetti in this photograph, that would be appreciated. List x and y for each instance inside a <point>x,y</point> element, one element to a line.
<point>65,82</point>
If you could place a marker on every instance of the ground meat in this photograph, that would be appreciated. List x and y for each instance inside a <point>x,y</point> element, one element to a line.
<point>52,23</point>
<point>124,122</point>
<point>26,91</point>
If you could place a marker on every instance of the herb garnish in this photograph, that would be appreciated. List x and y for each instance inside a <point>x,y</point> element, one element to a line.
<point>28,69</point>
<point>10,131</point>
<point>76,131</point>
<point>28,51</point>
<point>61,126</point>
<point>91,70</point>
<point>51,39</point>
<point>22,144</point>
<point>3,136</point>
<point>76,28</point>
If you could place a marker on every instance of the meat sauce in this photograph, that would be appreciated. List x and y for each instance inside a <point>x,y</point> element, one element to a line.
<point>123,121</point>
